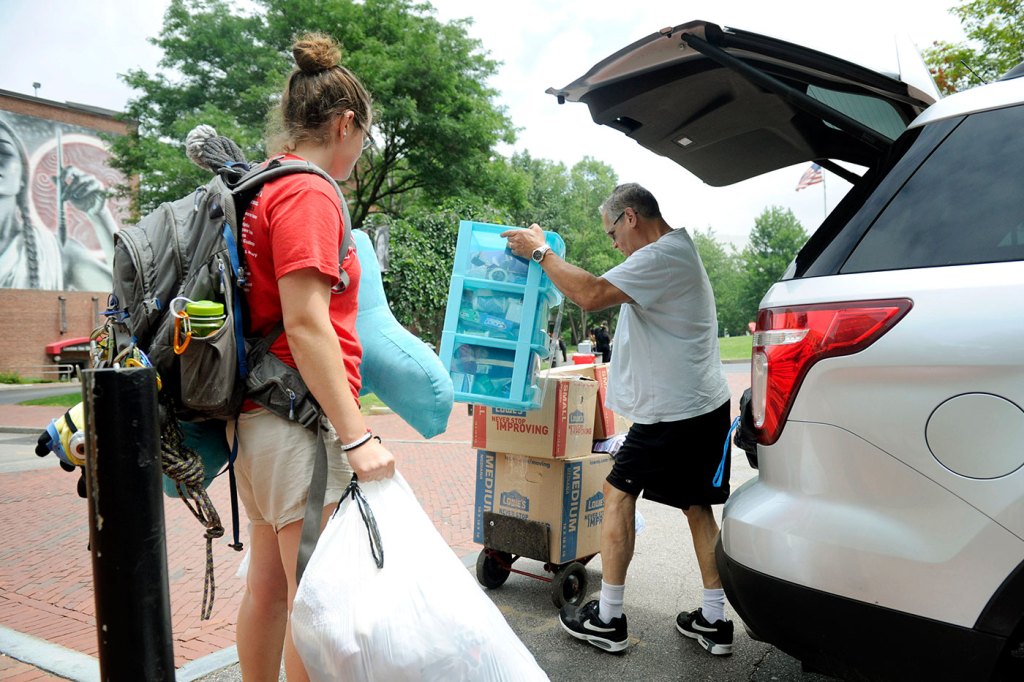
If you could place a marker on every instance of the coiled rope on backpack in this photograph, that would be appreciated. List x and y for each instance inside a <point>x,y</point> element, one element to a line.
<point>183,465</point>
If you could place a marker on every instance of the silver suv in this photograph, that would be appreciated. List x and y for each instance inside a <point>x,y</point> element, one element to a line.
<point>883,537</point>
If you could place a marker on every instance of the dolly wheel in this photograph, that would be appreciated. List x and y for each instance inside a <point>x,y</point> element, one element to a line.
<point>489,571</point>
<point>569,585</point>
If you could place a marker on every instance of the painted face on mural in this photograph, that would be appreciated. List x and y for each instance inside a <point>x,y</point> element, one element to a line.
<point>10,165</point>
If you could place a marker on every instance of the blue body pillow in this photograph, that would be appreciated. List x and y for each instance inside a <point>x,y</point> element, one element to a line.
<point>397,366</point>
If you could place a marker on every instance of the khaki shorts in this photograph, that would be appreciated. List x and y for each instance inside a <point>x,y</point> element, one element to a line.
<point>274,465</point>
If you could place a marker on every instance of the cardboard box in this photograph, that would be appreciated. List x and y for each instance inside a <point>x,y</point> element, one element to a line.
<point>606,422</point>
<point>565,494</point>
<point>562,427</point>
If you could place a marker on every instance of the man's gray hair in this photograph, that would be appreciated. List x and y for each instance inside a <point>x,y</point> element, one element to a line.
<point>634,196</point>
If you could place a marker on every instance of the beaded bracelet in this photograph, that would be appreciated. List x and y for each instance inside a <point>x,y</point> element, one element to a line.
<point>363,440</point>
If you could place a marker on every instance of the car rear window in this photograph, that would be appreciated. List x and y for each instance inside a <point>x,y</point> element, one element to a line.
<point>876,113</point>
<point>962,205</point>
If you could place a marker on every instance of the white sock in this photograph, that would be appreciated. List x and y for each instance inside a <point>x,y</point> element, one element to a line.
<point>713,607</point>
<point>610,606</point>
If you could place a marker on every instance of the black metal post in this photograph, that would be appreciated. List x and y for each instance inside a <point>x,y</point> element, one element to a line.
<point>126,525</point>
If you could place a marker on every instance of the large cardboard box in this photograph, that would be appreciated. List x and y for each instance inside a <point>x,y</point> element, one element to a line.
<point>562,427</point>
<point>606,422</point>
<point>565,494</point>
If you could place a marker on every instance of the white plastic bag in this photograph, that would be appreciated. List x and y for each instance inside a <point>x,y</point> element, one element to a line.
<point>420,617</point>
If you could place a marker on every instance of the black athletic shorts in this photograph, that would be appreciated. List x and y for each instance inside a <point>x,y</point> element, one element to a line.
<point>675,463</point>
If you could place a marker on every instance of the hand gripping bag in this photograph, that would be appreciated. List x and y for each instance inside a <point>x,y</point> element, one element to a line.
<point>420,617</point>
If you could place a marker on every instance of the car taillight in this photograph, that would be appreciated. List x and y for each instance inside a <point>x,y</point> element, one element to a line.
<point>789,340</point>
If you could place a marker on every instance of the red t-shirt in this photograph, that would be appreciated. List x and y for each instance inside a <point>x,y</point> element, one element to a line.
<point>296,222</point>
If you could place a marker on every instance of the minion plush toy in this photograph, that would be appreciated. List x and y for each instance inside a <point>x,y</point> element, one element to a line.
<point>65,438</point>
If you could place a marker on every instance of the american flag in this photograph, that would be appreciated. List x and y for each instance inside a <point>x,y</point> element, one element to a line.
<point>811,176</point>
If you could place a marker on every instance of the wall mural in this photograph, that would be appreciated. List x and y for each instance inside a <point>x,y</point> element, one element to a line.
<point>56,234</point>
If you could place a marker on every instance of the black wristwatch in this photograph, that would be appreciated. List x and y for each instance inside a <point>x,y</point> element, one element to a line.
<point>540,252</point>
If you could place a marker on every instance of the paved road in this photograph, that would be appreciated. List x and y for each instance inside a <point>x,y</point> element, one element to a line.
<point>737,368</point>
<point>14,394</point>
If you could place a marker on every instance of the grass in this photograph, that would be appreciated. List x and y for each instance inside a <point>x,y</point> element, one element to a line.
<point>366,402</point>
<point>735,347</point>
<point>15,378</point>
<point>369,401</point>
<point>730,347</point>
<point>62,400</point>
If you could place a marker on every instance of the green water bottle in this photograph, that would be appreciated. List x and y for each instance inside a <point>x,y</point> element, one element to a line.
<point>205,317</point>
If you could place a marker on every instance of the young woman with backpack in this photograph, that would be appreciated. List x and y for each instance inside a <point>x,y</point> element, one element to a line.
<point>292,233</point>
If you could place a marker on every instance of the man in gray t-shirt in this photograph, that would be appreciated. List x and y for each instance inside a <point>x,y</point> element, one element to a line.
<point>666,376</point>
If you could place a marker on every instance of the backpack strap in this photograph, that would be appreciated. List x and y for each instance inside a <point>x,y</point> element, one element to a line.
<point>233,485</point>
<point>347,242</point>
<point>278,167</point>
<point>236,300</point>
<point>314,505</point>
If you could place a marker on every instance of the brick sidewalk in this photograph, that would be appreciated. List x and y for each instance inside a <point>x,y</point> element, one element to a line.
<point>46,568</point>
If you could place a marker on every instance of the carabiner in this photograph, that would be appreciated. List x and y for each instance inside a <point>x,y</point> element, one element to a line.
<point>180,347</point>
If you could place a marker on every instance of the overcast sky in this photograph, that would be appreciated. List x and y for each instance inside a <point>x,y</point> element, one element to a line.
<point>76,50</point>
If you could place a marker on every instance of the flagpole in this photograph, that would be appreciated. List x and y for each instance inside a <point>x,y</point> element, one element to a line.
<point>824,195</point>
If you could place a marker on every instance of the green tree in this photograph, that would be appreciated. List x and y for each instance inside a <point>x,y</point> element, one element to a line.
<point>437,124</point>
<point>545,185</point>
<point>774,242</point>
<point>725,271</point>
<point>995,29</point>
<point>506,186</point>
<point>225,74</point>
<point>422,251</point>
<point>436,127</point>
<point>566,201</point>
<point>587,246</point>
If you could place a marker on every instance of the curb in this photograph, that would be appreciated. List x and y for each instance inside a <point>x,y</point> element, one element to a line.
<point>23,429</point>
<point>50,384</point>
<point>53,658</point>
<point>74,665</point>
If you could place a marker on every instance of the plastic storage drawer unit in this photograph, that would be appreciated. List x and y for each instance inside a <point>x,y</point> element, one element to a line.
<point>495,325</point>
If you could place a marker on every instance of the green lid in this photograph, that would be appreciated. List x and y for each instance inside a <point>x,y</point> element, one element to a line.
<point>204,309</point>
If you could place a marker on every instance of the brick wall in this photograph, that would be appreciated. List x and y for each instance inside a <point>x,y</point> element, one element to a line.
<point>32,319</point>
<point>80,115</point>
<point>29,320</point>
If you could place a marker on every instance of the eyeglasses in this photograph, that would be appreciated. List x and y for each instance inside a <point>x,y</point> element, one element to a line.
<point>611,233</point>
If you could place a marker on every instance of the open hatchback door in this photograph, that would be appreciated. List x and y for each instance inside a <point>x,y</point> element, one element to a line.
<point>729,105</point>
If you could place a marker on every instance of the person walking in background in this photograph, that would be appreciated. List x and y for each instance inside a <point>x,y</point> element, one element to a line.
<point>556,347</point>
<point>603,341</point>
<point>666,376</point>
<point>292,232</point>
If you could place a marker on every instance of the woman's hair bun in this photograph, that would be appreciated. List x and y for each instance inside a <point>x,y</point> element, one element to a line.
<point>315,52</point>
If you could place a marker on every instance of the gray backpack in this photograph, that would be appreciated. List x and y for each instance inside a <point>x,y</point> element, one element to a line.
<point>191,248</point>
